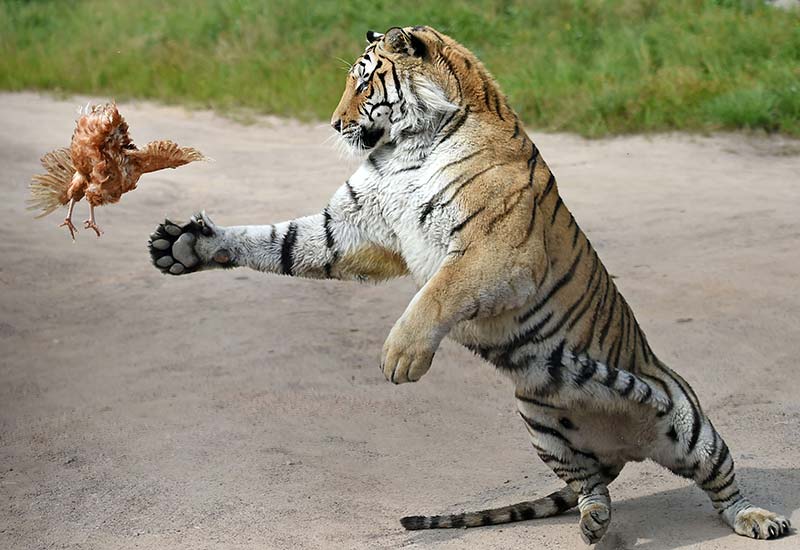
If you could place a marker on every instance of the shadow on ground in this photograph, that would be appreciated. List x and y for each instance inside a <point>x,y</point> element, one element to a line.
<point>686,517</point>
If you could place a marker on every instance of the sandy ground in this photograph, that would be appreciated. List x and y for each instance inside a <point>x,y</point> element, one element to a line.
<point>236,410</point>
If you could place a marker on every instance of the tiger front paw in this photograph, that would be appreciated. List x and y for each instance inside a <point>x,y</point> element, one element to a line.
<point>178,249</point>
<point>407,354</point>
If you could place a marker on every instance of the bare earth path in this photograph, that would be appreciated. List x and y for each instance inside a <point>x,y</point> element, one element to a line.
<point>235,410</point>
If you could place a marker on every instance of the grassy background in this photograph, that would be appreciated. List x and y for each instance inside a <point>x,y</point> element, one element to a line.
<point>592,67</point>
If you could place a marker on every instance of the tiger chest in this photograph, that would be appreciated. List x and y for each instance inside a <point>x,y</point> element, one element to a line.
<point>423,243</point>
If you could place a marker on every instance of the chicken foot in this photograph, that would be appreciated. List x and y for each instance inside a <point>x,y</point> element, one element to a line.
<point>90,224</point>
<point>68,220</point>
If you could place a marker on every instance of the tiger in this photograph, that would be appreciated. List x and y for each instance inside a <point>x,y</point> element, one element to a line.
<point>452,192</point>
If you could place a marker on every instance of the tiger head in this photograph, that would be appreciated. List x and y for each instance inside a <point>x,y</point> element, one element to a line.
<point>395,89</point>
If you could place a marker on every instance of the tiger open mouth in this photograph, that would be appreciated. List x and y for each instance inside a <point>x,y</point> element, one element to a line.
<point>370,137</point>
<point>361,137</point>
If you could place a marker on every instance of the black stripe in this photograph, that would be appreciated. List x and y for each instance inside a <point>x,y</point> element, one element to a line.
<point>571,470</point>
<point>594,486</point>
<point>459,226</point>
<point>426,211</point>
<point>629,388</point>
<point>585,454</point>
<point>463,184</point>
<point>647,393</point>
<point>382,78</point>
<point>436,34</point>
<point>648,352</point>
<point>553,330</point>
<point>724,453</point>
<point>542,429</point>
<point>396,81</point>
<point>546,456</point>
<point>452,70</point>
<point>329,265</point>
<point>600,304</point>
<point>636,345</point>
<point>687,389</point>
<point>573,479</point>
<point>486,93</point>
<point>506,211</point>
<point>559,203</point>
<point>531,222</point>
<point>587,371</point>
<point>555,366</point>
<point>353,195</point>
<point>374,163</point>
<point>459,123</point>
<point>508,349</point>
<point>614,352</point>
<point>327,226</point>
<point>486,518</point>
<point>666,391</point>
<point>407,169</point>
<point>731,496</point>
<point>617,348</point>
<point>446,122</point>
<point>453,163</point>
<point>626,330</point>
<point>607,324</point>
<point>577,231</point>
<point>696,425</point>
<point>592,293</point>
<point>555,288</point>
<point>457,521</point>
<point>560,503</point>
<point>550,182</point>
<point>536,402</point>
<point>532,163</point>
<point>527,513</point>
<point>611,377</point>
<point>428,207</point>
<point>497,106</point>
<point>566,423</point>
<point>287,249</point>
<point>729,481</point>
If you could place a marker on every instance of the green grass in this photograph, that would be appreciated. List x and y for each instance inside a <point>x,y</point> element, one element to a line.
<point>591,67</point>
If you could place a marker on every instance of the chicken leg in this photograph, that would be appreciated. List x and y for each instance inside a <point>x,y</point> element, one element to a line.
<point>89,224</point>
<point>68,220</point>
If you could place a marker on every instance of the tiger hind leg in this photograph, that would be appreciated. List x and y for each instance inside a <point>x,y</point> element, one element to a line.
<point>697,451</point>
<point>580,469</point>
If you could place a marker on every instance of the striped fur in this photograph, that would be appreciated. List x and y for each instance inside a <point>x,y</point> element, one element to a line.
<point>453,192</point>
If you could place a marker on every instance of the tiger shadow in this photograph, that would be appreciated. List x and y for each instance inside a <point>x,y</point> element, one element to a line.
<point>664,520</point>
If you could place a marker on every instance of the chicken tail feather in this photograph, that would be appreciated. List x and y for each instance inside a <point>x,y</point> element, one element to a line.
<point>158,155</point>
<point>49,191</point>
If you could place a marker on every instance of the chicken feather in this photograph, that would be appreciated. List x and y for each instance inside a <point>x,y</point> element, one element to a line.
<point>101,164</point>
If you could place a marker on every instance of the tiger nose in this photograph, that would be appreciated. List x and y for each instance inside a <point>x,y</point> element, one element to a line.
<point>337,124</point>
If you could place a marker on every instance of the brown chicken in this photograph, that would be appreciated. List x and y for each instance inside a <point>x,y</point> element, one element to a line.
<point>101,164</point>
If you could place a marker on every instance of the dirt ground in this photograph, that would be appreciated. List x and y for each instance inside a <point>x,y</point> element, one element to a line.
<point>234,410</point>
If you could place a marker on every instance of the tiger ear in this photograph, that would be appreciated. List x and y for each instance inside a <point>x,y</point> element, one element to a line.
<point>373,36</point>
<point>396,40</point>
